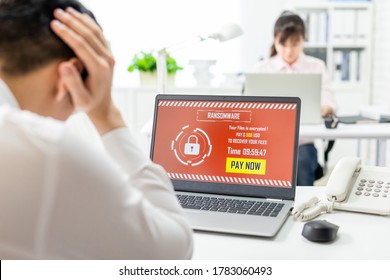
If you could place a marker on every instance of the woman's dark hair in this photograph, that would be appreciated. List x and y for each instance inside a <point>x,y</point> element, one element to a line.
<point>286,26</point>
<point>26,40</point>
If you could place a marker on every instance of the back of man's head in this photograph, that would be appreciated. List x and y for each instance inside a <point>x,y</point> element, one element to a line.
<point>26,40</point>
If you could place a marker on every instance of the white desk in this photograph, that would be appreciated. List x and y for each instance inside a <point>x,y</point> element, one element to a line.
<point>360,236</point>
<point>380,132</point>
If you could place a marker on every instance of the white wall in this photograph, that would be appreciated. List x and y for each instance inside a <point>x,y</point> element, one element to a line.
<point>258,18</point>
<point>132,26</point>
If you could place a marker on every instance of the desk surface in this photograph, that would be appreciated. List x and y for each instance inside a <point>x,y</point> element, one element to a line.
<point>378,131</point>
<point>357,131</point>
<point>360,236</point>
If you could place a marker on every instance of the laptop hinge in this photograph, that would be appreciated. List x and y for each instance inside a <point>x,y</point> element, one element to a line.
<point>273,199</point>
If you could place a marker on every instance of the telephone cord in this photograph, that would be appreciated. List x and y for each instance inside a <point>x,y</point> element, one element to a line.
<point>312,208</point>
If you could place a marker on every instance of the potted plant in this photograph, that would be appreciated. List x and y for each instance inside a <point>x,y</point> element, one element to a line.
<point>146,64</point>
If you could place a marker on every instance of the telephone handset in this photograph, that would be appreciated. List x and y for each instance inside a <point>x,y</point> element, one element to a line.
<point>351,187</point>
<point>340,180</point>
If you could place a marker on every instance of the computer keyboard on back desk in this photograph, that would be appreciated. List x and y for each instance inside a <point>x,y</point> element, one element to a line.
<point>230,205</point>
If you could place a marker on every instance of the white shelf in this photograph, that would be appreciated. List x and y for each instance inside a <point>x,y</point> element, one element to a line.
<point>351,5</point>
<point>341,41</point>
<point>346,86</point>
<point>326,5</point>
<point>309,45</point>
<point>348,46</point>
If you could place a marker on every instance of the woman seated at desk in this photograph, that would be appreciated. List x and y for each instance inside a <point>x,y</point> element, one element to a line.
<point>287,56</point>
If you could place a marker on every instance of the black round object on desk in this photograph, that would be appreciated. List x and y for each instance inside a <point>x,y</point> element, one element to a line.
<point>320,231</point>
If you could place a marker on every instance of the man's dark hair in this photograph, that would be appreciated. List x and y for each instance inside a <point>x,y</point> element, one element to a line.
<point>26,39</point>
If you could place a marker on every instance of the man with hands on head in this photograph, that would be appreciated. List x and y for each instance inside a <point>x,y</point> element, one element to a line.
<point>60,198</point>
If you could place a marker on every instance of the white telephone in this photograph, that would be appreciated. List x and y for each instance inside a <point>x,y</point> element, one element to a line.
<point>351,187</point>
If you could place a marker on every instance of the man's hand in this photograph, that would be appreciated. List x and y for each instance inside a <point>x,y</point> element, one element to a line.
<point>93,96</point>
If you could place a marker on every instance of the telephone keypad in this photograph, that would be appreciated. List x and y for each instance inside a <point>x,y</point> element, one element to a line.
<point>369,187</point>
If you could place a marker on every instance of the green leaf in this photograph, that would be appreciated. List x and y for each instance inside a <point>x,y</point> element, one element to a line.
<point>146,62</point>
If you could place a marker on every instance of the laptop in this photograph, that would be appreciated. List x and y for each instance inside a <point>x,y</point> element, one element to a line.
<point>305,86</point>
<point>232,159</point>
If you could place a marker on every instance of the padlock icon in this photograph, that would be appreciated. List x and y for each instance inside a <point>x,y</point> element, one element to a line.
<point>192,148</point>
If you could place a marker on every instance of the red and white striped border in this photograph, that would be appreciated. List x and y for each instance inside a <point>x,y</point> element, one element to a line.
<point>228,105</point>
<point>232,180</point>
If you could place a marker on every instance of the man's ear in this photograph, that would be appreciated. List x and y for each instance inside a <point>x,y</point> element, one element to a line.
<point>80,67</point>
<point>62,91</point>
<point>77,63</point>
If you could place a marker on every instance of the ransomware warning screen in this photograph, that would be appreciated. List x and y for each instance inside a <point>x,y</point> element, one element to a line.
<point>226,142</point>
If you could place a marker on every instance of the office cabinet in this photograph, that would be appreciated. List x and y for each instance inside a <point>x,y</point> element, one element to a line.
<point>341,34</point>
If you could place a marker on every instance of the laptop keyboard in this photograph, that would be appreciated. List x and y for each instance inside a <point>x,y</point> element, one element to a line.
<point>237,206</point>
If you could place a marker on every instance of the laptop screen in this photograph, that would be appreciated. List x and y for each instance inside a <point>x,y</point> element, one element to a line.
<point>232,145</point>
<point>303,85</point>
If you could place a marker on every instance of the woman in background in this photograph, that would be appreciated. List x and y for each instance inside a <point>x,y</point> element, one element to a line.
<point>287,56</point>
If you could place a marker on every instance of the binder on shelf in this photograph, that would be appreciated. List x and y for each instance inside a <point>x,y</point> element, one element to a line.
<point>337,62</point>
<point>362,71</point>
<point>362,26</point>
<point>322,27</point>
<point>313,27</point>
<point>345,66</point>
<point>350,26</point>
<point>305,17</point>
<point>349,65</point>
<point>316,26</point>
<point>337,30</point>
<point>349,23</point>
<point>353,66</point>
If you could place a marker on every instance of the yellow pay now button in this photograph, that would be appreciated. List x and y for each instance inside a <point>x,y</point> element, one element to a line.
<point>245,166</point>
